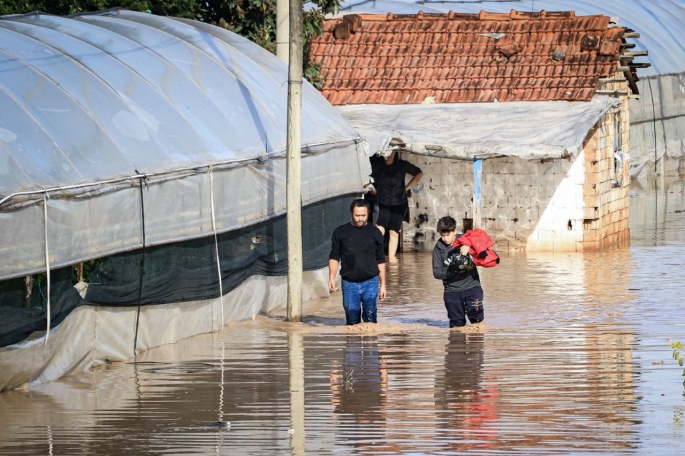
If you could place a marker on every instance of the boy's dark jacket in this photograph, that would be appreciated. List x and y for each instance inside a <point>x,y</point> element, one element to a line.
<point>452,280</point>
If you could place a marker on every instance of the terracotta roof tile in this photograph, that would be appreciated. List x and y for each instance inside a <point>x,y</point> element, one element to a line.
<point>455,57</point>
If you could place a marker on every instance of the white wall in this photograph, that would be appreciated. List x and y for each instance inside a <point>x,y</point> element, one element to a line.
<point>524,204</point>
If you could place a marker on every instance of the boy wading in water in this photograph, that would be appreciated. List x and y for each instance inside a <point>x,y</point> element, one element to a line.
<point>463,293</point>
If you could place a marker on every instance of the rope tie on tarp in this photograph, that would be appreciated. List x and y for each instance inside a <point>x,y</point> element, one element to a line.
<point>143,182</point>
<point>46,197</point>
<point>216,243</point>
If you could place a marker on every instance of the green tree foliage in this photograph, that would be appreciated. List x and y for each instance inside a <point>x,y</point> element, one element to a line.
<point>253,19</point>
<point>312,27</point>
<point>64,7</point>
<point>178,8</point>
<point>256,20</point>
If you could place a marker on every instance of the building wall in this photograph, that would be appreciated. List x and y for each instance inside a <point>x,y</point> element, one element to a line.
<point>524,204</point>
<point>607,182</point>
<point>569,204</point>
<point>446,189</point>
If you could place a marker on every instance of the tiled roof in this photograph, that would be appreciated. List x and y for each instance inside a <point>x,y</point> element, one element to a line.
<point>463,58</point>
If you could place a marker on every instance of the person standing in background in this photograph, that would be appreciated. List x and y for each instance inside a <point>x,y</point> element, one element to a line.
<point>389,177</point>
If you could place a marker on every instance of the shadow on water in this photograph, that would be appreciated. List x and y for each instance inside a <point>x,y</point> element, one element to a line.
<point>572,359</point>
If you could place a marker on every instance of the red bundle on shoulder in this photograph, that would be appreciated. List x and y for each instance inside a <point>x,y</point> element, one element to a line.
<point>479,242</point>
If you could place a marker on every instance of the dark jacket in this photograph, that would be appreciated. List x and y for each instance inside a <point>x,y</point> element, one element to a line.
<point>451,280</point>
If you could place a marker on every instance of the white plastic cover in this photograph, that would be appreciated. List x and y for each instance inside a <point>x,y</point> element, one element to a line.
<point>91,103</point>
<point>657,125</point>
<point>659,22</point>
<point>111,330</point>
<point>468,131</point>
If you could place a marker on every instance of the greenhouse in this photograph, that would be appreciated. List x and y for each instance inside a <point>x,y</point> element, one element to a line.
<point>142,158</point>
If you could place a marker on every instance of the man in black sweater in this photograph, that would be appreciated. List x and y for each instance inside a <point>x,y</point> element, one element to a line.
<point>359,246</point>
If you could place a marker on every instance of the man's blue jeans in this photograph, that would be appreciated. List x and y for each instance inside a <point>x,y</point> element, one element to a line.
<point>359,300</point>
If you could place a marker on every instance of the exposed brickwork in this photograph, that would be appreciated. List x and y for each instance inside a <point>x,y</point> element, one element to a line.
<point>458,58</point>
<point>607,180</point>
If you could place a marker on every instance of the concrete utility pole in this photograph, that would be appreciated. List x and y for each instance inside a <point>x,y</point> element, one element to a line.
<point>282,24</point>
<point>294,150</point>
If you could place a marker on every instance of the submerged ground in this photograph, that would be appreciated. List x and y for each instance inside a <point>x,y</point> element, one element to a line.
<point>573,358</point>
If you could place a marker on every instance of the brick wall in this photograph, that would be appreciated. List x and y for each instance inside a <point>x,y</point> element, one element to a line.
<point>607,183</point>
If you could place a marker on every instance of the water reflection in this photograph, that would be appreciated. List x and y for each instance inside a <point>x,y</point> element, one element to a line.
<point>359,383</point>
<point>657,212</point>
<point>359,387</point>
<point>297,409</point>
<point>572,359</point>
<point>468,404</point>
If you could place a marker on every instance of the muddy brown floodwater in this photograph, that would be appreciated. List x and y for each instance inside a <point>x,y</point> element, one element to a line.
<point>573,358</point>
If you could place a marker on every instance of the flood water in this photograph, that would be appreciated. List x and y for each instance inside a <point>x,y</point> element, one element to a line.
<point>573,358</point>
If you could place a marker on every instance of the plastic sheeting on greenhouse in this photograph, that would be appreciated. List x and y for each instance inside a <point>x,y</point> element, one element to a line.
<point>659,22</point>
<point>469,131</point>
<point>657,124</point>
<point>192,270</point>
<point>124,129</point>
<point>96,335</point>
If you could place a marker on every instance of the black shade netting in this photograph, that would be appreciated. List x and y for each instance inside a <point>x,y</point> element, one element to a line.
<point>177,272</point>
<point>22,313</point>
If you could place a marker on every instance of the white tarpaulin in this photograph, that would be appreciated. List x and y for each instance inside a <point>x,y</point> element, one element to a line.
<point>96,106</point>
<point>91,335</point>
<point>469,131</point>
